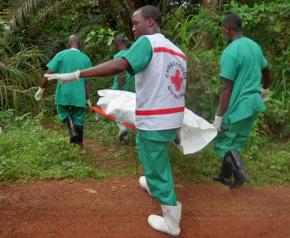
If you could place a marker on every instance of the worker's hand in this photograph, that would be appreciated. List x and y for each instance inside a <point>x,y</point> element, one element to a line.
<point>39,94</point>
<point>217,123</point>
<point>66,77</point>
<point>89,102</point>
<point>265,94</point>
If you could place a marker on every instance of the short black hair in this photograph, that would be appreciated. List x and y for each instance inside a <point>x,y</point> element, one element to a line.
<point>150,11</point>
<point>234,21</point>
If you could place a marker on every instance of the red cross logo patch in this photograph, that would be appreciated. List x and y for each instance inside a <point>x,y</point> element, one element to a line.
<point>176,80</point>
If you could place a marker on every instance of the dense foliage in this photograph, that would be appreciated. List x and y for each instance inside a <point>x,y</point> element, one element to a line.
<point>40,29</point>
<point>31,32</point>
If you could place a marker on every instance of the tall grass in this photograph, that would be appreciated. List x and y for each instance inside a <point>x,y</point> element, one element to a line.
<point>29,152</point>
<point>19,74</point>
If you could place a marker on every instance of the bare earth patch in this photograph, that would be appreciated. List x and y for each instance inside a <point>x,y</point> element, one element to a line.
<point>117,207</point>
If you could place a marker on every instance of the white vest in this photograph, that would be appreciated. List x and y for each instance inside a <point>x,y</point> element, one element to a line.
<point>160,88</point>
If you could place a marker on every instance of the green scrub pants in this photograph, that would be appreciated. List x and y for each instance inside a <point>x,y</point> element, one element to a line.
<point>152,148</point>
<point>235,137</point>
<point>77,114</point>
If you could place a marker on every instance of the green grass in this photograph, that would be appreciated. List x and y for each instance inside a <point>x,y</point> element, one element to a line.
<point>122,159</point>
<point>30,152</point>
<point>272,166</point>
<point>266,162</point>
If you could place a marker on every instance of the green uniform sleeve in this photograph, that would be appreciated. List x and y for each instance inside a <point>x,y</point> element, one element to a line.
<point>119,54</point>
<point>54,63</point>
<point>228,66</point>
<point>264,62</point>
<point>139,55</point>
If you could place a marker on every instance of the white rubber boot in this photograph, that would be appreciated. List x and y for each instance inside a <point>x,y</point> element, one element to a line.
<point>169,223</point>
<point>143,184</point>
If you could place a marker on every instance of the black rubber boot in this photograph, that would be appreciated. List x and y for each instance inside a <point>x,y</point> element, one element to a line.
<point>71,129</point>
<point>123,134</point>
<point>226,172</point>
<point>80,135</point>
<point>240,174</point>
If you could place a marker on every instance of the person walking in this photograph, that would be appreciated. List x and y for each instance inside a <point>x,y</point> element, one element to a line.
<point>160,72</point>
<point>242,67</point>
<point>70,99</point>
<point>123,81</point>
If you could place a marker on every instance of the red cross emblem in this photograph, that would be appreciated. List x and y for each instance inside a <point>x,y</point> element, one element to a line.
<point>176,80</point>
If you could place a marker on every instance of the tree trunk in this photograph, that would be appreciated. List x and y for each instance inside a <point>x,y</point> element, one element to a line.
<point>132,5</point>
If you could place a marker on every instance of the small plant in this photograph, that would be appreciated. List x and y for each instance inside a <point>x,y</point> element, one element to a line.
<point>28,151</point>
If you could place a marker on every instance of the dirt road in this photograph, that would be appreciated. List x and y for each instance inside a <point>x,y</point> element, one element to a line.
<point>117,207</point>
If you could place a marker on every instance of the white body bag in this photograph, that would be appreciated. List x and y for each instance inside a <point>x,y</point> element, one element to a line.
<point>195,132</point>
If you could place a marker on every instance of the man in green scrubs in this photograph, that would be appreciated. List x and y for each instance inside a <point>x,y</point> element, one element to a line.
<point>160,83</point>
<point>242,66</point>
<point>70,99</point>
<point>123,81</point>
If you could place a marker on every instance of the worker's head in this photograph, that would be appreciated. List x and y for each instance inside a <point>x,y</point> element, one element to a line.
<point>146,21</point>
<point>120,43</point>
<point>231,26</point>
<point>74,42</point>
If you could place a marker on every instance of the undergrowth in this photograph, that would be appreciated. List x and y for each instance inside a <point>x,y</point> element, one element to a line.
<point>28,151</point>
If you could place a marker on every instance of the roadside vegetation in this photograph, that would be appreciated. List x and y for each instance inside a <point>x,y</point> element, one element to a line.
<point>32,149</point>
<point>29,151</point>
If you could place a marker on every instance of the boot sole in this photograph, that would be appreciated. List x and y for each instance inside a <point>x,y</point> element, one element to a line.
<point>223,181</point>
<point>237,184</point>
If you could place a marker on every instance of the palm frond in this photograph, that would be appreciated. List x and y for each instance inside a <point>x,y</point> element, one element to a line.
<point>19,14</point>
<point>18,75</point>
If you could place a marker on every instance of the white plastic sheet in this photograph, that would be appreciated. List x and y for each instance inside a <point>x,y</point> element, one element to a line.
<point>194,134</point>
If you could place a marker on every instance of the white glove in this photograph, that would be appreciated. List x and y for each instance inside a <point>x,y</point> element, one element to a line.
<point>97,116</point>
<point>89,102</point>
<point>265,94</point>
<point>64,77</point>
<point>39,94</point>
<point>217,123</point>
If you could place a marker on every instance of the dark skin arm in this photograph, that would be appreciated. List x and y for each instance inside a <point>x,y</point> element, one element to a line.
<point>225,96</point>
<point>266,78</point>
<point>121,80</point>
<point>45,82</point>
<point>108,68</point>
<point>88,89</point>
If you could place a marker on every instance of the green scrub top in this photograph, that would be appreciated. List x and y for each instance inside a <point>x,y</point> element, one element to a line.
<point>139,55</point>
<point>242,62</point>
<point>129,81</point>
<point>67,61</point>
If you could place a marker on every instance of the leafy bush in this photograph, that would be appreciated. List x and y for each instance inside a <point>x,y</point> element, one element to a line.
<point>200,38</point>
<point>196,30</point>
<point>268,25</point>
<point>29,151</point>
